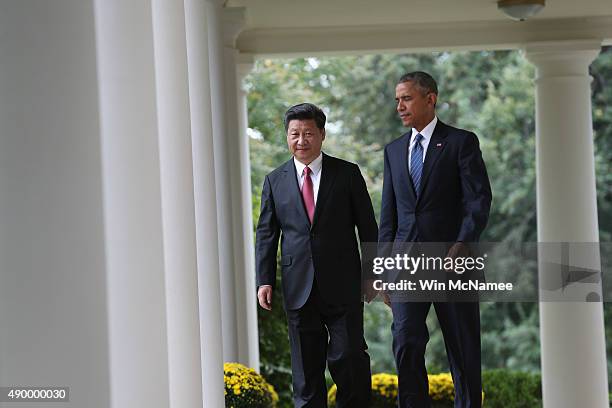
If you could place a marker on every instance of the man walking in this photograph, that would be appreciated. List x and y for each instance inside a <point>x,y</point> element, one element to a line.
<point>436,189</point>
<point>316,201</point>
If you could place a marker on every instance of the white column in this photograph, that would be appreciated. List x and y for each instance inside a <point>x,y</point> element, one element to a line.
<point>247,316</point>
<point>205,204</point>
<point>53,299</point>
<point>239,303</point>
<point>238,66</point>
<point>223,181</point>
<point>574,365</point>
<point>138,344</point>
<point>232,169</point>
<point>177,203</point>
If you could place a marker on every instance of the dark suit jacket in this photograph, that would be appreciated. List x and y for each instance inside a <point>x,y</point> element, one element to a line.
<point>326,251</point>
<point>455,198</point>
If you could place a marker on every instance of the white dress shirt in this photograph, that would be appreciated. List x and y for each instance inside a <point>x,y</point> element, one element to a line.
<point>426,133</point>
<point>316,168</point>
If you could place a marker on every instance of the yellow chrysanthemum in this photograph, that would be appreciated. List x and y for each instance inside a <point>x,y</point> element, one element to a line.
<point>385,389</point>
<point>245,388</point>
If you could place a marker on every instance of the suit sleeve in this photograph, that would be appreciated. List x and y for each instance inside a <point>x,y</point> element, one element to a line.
<point>365,220</point>
<point>388,211</point>
<point>266,238</point>
<point>476,190</point>
<point>362,208</point>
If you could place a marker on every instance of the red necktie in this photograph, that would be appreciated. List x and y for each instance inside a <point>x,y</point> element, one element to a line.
<point>308,193</point>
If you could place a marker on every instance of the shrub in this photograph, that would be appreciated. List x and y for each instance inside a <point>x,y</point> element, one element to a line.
<point>244,388</point>
<point>512,389</point>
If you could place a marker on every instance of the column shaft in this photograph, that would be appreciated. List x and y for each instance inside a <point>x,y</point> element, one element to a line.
<point>240,174</point>
<point>223,181</point>
<point>207,243</point>
<point>132,207</point>
<point>53,298</point>
<point>574,365</point>
<point>177,198</point>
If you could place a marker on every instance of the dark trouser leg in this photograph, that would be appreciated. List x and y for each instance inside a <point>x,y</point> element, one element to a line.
<point>308,340</point>
<point>460,323</point>
<point>348,361</point>
<point>410,337</point>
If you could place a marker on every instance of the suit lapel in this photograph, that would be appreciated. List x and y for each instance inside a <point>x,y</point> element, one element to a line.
<point>293,188</point>
<point>435,147</point>
<point>403,152</point>
<point>327,180</point>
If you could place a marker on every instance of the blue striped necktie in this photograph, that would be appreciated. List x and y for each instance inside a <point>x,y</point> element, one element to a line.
<point>416,163</point>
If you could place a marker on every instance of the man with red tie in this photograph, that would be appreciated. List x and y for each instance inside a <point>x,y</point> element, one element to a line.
<point>316,201</point>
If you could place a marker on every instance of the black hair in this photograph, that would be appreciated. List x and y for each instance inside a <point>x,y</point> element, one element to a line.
<point>421,80</point>
<point>305,111</point>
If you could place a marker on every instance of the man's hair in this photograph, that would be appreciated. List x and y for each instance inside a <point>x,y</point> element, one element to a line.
<point>422,80</point>
<point>305,111</point>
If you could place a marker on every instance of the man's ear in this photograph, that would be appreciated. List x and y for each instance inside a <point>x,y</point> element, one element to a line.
<point>433,98</point>
<point>323,134</point>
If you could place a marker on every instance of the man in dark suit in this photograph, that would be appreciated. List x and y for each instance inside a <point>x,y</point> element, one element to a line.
<point>313,202</point>
<point>436,189</point>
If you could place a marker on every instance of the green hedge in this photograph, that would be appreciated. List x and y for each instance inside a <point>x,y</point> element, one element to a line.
<point>511,389</point>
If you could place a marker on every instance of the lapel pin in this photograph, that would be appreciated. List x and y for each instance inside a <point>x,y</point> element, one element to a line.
<point>439,145</point>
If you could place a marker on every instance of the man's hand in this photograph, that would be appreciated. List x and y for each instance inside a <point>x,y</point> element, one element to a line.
<point>369,291</point>
<point>458,250</point>
<point>264,295</point>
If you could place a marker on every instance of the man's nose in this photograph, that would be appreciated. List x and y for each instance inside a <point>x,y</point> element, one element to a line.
<point>400,106</point>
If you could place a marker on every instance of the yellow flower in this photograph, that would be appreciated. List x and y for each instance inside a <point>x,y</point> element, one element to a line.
<point>385,389</point>
<point>245,388</point>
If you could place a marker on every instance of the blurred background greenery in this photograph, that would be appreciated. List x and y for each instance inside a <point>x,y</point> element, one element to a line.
<point>488,92</point>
